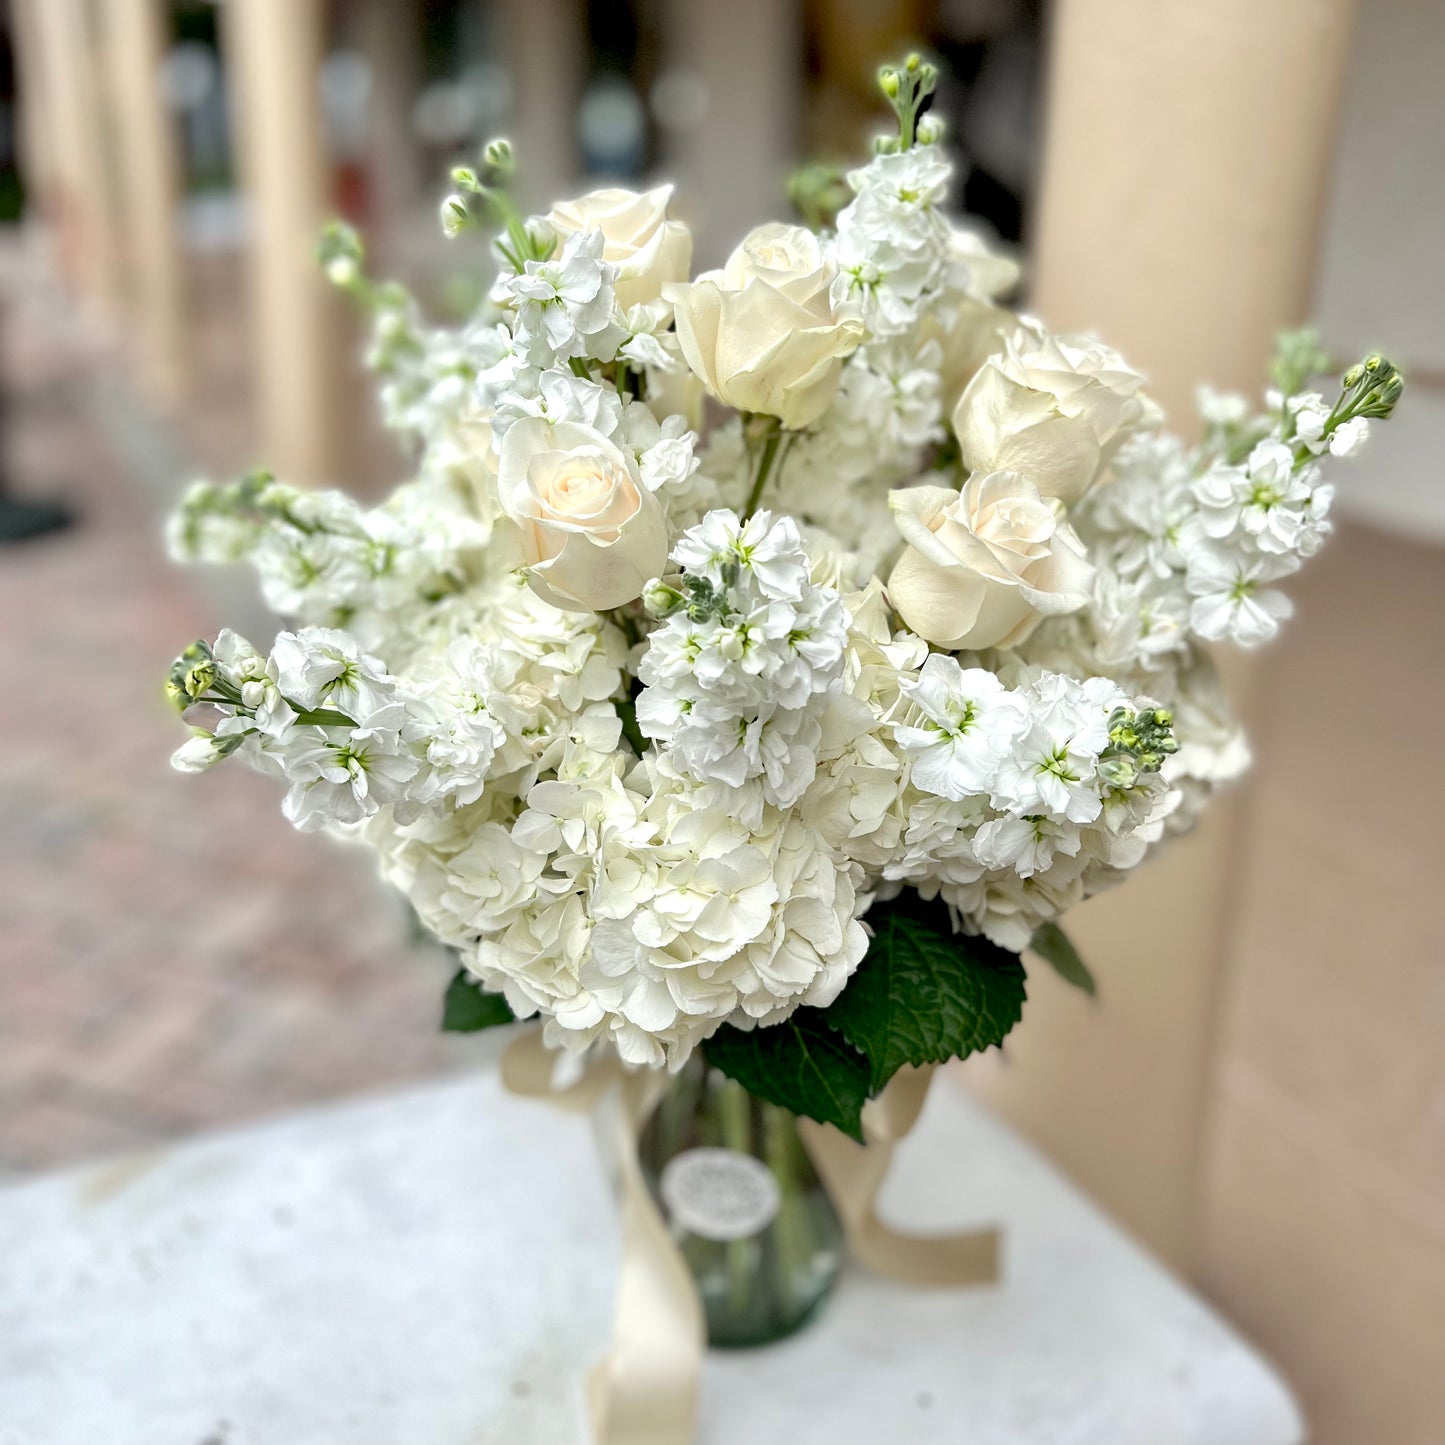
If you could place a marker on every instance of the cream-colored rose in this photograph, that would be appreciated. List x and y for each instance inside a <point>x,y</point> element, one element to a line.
<point>591,534</point>
<point>985,565</point>
<point>968,332</point>
<point>1055,408</point>
<point>648,249</point>
<point>763,333</point>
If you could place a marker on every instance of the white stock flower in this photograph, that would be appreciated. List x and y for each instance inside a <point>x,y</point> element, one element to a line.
<point>1231,601</point>
<point>763,333</point>
<point>892,241</point>
<point>592,534</point>
<point>1269,503</point>
<point>322,668</point>
<point>969,723</point>
<point>982,566</point>
<point>1053,768</point>
<point>751,645</point>
<point>565,306</point>
<point>343,776</point>
<point>646,249</point>
<point>198,753</point>
<point>1027,845</point>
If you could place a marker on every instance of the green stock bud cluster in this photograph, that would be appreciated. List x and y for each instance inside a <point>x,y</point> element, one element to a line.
<point>906,88</point>
<point>192,676</point>
<point>1139,741</point>
<point>1370,388</point>
<point>698,597</point>
<point>519,241</point>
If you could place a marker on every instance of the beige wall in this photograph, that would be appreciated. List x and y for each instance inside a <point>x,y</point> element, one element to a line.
<point>1186,160</point>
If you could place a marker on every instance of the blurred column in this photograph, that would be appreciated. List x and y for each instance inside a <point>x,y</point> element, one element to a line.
<point>386,34</point>
<point>1187,156</point>
<point>546,52</point>
<point>274,50</point>
<point>149,170</point>
<point>81,201</point>
<point>741,61</point>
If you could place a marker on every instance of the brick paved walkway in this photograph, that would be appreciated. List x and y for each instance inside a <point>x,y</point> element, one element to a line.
<point>172,954</point>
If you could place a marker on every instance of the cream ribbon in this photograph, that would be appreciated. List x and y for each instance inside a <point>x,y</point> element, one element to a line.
<point>854,1176</point>
<point>644,1391</point>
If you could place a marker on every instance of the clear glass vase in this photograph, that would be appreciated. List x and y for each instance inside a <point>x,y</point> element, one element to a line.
<point>747,1209</point>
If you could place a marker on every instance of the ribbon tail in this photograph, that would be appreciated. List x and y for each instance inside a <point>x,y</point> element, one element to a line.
<point>644,1391</point>
<point>854,1175</point>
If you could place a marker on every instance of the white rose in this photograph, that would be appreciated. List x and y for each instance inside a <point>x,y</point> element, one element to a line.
<point>763,333</point>
<point>983,566</point>
<point>591,534</point>
<point>1055,408</point>
<point>968,333</point>
<point>647,248</point>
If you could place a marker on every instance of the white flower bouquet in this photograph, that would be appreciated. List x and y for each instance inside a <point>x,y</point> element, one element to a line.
<point>760,661</point>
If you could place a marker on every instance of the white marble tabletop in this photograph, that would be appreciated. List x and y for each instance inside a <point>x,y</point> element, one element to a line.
<point>435,1267</point>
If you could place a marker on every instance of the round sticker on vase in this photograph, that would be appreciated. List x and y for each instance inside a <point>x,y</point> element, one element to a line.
<point>719,1193</point>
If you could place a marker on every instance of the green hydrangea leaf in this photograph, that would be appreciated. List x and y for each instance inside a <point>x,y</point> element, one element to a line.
<point>1054,946</point>
<point>469,1008</point>
<point>800,1065</point>
<point>924,994</point>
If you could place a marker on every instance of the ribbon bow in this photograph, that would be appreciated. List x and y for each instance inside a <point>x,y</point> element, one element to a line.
<point>644,1391</point>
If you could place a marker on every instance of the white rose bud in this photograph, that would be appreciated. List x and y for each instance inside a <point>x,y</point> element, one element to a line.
<point>763,333</point>
<point>647,249</point>
<point>592,536</point>
<point>983,566</point>
<point>1055,408</point>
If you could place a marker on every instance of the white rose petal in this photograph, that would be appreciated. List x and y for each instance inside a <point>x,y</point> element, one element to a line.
<point>984,565</point>
<point>592,535</point>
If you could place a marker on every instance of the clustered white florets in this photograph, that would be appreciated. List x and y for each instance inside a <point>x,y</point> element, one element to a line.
<point>738,674</point>
<point>642,722</point>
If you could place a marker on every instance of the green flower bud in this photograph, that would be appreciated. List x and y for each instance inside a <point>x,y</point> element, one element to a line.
<point>499,157</point>
<point>455,216</point>
<point>661,599</point>
<point>340,253</point>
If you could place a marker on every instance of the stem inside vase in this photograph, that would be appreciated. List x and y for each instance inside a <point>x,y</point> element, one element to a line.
<point>745,1206</point>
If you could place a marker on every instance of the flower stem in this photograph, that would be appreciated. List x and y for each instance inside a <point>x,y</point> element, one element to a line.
<point>735,1115</point>
<point>774,444</point>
